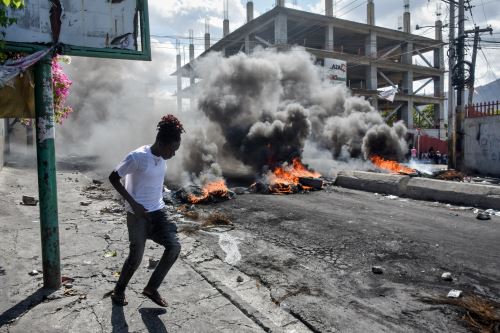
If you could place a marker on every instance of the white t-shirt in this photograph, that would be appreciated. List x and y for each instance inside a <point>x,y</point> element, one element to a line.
<point>144,175</point>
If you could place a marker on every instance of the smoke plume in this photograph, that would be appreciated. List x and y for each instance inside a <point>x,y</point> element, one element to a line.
<point>268,104</point>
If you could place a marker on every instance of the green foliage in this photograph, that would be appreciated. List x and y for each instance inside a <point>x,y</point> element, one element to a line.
<point>5,20</point>
<point>420,121</point>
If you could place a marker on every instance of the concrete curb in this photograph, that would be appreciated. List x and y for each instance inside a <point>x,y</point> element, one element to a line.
<point>484,196</point>
<point>373,182</point>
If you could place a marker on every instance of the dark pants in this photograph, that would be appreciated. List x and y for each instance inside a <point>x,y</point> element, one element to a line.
<point>161,231</point>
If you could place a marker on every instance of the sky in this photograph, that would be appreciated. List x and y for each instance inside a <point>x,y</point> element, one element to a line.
<point>171,20</point>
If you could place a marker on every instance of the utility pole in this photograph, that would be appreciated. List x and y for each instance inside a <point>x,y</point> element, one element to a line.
<point>476,32</point>
<point>451,90</point>
<point>459,143</point>
<point>47,188</point>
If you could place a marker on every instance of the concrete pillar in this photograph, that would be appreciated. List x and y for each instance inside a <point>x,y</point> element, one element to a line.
<point>191,72</point>
<point>248,47</point>
<point>179,83</point>
<point>371,69</point>
<point>439,81</point>
<point>407,85</point>
<point>225,27</point>
<point>329,8</point>
<point>370,12</point>
<point>207,41</point>
<point>329,37</point>
<point>406,22</point>
<point>249,11</point>
<point>280,29</point>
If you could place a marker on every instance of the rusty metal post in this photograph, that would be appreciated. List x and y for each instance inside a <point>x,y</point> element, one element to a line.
<point>47,188</point>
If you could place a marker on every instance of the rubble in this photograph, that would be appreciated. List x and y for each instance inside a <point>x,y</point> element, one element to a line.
<point>483,215</point>
<point>454,293</point>
<point>28,201</point>
<point>446,276</point>
<point>33,272</point>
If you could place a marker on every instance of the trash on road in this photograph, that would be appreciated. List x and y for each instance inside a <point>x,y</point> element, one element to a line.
<point>153,263</point>
<point>229,245</point>
<point>377,270</point>
<point>28,201</point>
<point>33,272</point>
<point>482,215</point>
<point>110,254</point>
<point>446,276</point>
<point>454,293</point>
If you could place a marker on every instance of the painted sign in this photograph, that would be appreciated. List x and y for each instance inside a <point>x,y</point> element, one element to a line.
<point>95,25</point>
<point>335,70</point>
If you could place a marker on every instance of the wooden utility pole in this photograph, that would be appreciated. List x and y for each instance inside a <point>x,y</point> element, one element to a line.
<point>476,32</point>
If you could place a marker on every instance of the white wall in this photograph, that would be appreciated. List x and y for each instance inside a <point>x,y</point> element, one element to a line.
<point>482,145</point>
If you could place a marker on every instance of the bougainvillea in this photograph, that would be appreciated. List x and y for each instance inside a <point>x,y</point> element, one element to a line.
<point>61,84</point>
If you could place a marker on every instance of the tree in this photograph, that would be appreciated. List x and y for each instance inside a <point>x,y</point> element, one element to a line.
<point>5,20</point>
<point>420,119</point>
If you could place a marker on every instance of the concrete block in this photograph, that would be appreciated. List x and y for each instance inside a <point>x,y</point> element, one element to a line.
<point>485,196</point>
<point>373,182</point>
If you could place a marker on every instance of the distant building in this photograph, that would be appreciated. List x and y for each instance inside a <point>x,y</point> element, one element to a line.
<point>376,57</point>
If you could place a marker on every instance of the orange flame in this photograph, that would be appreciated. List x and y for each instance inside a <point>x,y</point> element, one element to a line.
<point>215,188</point>
<point>283,178</point>
<point>391,165</point>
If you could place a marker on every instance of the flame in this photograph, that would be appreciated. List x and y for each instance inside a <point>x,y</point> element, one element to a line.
<point>215,188</point>
<point>283,178</point>
<point>391,165</point>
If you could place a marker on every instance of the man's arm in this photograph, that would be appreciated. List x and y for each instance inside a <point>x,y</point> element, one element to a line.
<point>138,209</point>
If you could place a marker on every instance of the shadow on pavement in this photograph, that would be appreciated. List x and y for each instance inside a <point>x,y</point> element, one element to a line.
<point>25,305</point>
<point>150,317</point>
<point>118,319</point>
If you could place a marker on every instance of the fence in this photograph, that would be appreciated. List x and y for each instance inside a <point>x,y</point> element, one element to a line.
<point>485,109</point>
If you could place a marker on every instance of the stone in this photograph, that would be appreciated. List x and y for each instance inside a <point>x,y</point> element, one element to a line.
<point>446,276</point>
<point>239,279</point>
<point>482,215</point>
<point>33,272</point>
<point>454,293</point>
<point>377,270</point>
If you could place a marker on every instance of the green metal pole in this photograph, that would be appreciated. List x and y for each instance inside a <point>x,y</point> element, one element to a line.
<point>47,188</point>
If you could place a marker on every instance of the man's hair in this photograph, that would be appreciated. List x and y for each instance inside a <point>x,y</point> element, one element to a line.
<point>169,129</point>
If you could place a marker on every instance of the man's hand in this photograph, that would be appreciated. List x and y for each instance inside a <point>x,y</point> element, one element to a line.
<point>140,211</point>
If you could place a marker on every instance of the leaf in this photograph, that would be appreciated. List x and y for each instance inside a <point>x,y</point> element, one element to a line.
<point>110,254</point>
<point>6,3</point>
<point>17,3</point>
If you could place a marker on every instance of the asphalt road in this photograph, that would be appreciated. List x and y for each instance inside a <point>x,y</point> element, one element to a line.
<point>315,253</point>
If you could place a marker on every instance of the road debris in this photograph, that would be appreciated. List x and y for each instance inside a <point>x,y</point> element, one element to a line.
<point>239,279</point>
<point>377,270</point>
<point>28,201</point>
<point>229,245</point>
<point>483,215</point>
<point>33,272</point>
<point>446,276</point>
<point>454,293</point>
<point>480,314</point>
<point>85,203</point>
<point>153,263</point>
<point>110,254</point>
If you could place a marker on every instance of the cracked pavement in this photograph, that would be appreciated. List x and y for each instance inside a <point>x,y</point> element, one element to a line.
<point>87,232</point>
<point>298,263</point>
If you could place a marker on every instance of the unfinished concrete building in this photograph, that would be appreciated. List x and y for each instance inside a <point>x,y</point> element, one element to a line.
<point>376,57</point>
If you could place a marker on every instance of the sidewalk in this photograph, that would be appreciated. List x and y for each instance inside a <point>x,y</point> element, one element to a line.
<point>92,231</point>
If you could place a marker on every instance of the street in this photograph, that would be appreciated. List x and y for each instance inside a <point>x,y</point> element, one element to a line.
<point>292,263</point>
